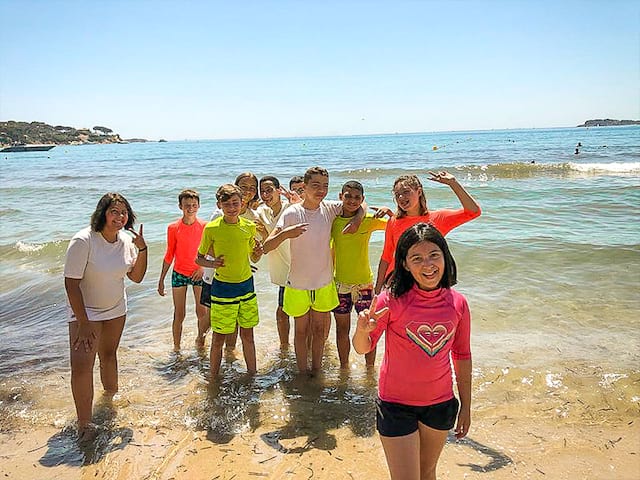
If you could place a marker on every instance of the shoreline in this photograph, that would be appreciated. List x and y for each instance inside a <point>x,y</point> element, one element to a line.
<point>498,447</point>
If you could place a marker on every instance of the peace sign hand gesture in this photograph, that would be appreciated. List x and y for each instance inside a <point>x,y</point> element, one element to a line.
<point>368,318</point>
<point>138,239</point>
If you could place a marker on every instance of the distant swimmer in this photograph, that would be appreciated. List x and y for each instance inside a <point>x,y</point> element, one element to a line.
<point>579,144</point>
<point>577,151</point>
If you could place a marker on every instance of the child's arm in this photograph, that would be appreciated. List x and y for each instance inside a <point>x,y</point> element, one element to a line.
<point>85,335</point>
<point>217,262</point>
<point>383,266</point>
<point>356,220</point>
<point>163,274</point>
<point>466,200</point>
<point>463,381</point>
<point>279,235</point>
<point>256,253</point>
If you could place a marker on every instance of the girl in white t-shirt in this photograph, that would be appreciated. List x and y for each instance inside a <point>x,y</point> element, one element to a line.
<point>98,258</point>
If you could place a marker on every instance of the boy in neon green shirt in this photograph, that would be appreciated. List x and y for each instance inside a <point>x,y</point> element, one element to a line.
<point>230,240</point>
<point>353,274</point>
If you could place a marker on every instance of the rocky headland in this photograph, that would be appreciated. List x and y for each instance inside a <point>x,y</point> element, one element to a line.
<point>30,133</point>
<point>608,122</point>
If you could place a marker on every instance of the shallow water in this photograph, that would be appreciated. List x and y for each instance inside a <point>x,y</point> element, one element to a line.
<point>550,271</point>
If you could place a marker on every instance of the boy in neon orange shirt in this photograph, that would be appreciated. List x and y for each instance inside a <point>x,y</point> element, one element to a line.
<point>183,239</point>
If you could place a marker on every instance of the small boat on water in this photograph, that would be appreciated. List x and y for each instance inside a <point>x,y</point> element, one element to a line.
<point>21,147</point>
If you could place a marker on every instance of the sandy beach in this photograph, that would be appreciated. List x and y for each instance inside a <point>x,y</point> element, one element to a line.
<point>560,437</point>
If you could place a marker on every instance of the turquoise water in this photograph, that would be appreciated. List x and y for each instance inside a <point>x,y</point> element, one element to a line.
<point>551,268</point>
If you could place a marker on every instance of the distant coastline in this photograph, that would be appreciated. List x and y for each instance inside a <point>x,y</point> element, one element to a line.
<point>608,122</point>
<point>40,133</point>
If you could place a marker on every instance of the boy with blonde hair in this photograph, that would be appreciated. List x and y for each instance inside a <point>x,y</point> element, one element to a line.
<point>230,240</point>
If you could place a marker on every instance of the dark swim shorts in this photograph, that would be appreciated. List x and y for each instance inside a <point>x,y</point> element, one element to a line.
<point>397,420</point>
<point>178,280</point>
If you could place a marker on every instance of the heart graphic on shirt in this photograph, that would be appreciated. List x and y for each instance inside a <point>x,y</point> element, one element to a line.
<point>430,338</point>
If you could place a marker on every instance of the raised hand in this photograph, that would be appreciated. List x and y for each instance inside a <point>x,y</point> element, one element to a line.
<point>368,318</point>
<point>442,177</point>
<point>381,212</point>
<point>290,195</point>
<point>138,238</point>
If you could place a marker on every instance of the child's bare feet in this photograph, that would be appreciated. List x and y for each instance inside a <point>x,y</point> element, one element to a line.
<point>87,433</point>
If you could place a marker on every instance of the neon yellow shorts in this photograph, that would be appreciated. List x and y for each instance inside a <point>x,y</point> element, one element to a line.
<point>227,310</point>
<point>298,302</point>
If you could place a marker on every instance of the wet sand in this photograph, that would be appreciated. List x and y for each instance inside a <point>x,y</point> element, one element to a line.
<point>506,448</point>
<point>558,436</point>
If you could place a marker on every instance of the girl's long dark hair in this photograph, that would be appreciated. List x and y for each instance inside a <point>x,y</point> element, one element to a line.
<point>401,280</point>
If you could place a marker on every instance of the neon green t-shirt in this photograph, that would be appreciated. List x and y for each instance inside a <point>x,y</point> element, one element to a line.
<point>233,240</point>
<point>352,250</point>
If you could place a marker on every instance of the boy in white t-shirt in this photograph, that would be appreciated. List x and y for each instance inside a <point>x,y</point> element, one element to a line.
<point>278,259</point>
<point>310,292</point>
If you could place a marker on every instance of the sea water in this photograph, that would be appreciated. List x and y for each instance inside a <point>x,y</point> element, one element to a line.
<point>550,269</point>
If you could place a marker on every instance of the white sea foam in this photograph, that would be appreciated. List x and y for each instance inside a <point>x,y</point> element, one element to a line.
<point>608,379</point>
<point>29,247</point>
<point>553,380</point>
<point>613,167</point>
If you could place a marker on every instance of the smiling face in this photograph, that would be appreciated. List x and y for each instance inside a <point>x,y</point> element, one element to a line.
<point>189,207</point>
<point>249,187</point>
<point>351,198</point>
<point>425,262</point>
<point>116,217</point>
<point>231,208</point>
<point>269,193</point>
<point>316,189</point>
<point>407,198</point>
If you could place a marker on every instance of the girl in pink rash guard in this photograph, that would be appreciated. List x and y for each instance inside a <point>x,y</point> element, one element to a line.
<point>426,323</point>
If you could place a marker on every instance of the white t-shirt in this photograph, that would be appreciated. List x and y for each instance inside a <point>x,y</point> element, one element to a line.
<point>101,267</point>
<point>311,263</point>
<point>280,258</point>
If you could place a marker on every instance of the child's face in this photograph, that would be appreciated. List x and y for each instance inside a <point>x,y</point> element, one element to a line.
<point>249,189</point>
<point>317,187</point>
<point>407,197</point>
<point>231,207</point>
<point>351,200</point>
<point>298,187</point>
<point>269,193</point>
<point>425,262</point>
<point>189,206</point>
<point>116,216</point>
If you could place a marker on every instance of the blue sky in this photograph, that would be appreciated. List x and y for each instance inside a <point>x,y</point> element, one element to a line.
<point>205,70</point>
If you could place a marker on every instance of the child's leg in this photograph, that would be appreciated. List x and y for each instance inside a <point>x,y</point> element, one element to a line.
<point>215,355</point>
<point>343,342</point>
<point>202,313</point>
<point>403,456</point>
<point>282,320</point>
<point>179,311</point>
<point>370,358</point>
<point>431,444</point>
<point>248,348</point>
<point>82,363</point>
<point>230,342</point>
<point>107,352</point>
<point>320,322</point>
<point>300,341</point>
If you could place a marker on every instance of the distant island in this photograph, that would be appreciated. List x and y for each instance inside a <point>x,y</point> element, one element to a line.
<point>607,122</point>
<point>13,133</point>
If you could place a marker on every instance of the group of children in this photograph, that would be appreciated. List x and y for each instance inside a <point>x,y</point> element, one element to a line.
<point>318,257</point>
<point>317,252</point>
